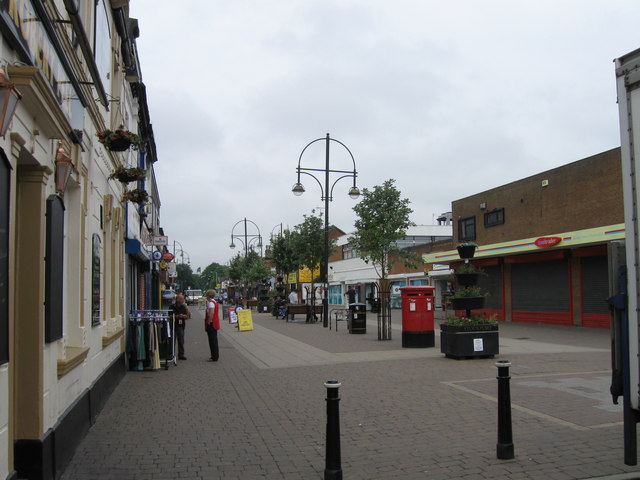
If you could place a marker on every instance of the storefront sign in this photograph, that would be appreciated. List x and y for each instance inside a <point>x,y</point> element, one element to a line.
<point>167,256</point>
<point>160,240</point>
<point>543,242</point>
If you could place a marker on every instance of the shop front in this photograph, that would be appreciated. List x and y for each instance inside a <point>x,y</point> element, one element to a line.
<point>530,282</point>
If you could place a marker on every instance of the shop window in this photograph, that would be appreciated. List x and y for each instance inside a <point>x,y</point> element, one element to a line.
<point>467,228</point>
<point>54,269</point>
<point>335,295</point>
<point>494,217</point>
<point>95,280</point>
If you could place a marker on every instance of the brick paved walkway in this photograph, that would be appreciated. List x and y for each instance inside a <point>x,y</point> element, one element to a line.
<point>259,413</point>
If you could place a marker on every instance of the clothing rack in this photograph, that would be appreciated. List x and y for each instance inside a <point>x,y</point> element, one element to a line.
<point>150,339</point>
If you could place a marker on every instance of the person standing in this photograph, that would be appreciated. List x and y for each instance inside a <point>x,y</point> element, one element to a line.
<point>212,324</point>
<point>181,314</point>
<point>293,300</point>
<point>351,295</point>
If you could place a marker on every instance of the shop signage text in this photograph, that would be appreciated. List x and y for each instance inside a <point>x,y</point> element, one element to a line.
<point>543,242</point>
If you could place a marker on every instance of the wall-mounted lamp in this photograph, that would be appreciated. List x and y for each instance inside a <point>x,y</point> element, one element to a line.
<point>9,97</point>
<point>64,166</point>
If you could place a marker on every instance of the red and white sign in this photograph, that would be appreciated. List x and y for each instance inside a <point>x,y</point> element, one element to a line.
<point>167,256</point>
<point>543,242</point>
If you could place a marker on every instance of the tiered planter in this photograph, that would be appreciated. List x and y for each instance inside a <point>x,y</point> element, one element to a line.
<point>473,340</point>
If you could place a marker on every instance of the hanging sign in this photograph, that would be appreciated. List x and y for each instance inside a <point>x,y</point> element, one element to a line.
<point>547,241</point>
<point>160,240</point>
<point>156,255</point>
<point>245,322</point>
<point>167,256</point>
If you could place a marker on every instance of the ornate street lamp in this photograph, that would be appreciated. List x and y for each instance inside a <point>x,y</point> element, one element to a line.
<point>248,239</point>
<point>326,195</point>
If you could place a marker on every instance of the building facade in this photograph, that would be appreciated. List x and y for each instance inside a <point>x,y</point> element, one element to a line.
<point>74,256</point>
<point>543,242</point>
<point>347,269</point>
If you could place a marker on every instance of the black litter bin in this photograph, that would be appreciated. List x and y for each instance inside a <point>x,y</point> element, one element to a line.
<point>357,322</point>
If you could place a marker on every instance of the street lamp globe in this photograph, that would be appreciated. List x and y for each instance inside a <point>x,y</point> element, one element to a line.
<point>354,192</point>
<point>298,189</point>
<point>232,245</point>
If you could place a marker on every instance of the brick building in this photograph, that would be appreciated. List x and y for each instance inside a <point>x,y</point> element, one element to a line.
<point>542,242</point>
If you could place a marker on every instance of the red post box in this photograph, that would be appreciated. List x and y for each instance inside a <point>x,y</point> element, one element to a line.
<point>418,316</point>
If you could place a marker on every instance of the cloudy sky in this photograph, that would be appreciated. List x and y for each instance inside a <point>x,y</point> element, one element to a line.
<point>448,98</point>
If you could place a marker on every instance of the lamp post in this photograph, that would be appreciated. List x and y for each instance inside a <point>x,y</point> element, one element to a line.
<point>182,252</point>
<point>279,225</point>
<point>248,239</point>
<point>326,195</point>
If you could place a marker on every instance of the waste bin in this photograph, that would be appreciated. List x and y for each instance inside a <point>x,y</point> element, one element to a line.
<point>417,316</point>
<point>357,322</point>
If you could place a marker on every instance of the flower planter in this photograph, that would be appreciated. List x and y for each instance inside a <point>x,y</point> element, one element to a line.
<point>466,251</point>
<point>136,196</point>
<point>467,303</point>
<point>119,145</point>
<point>469,341</point>
<point>118,140</point>
<point>467,279</point>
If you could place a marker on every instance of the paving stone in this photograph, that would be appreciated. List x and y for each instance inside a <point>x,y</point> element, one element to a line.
<point>260,412</point>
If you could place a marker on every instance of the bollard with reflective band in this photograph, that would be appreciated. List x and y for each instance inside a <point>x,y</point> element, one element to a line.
<point>504,448</point>
<point>333,467</point>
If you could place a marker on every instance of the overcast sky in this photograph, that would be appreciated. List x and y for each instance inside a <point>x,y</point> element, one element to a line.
<point>448,98</point>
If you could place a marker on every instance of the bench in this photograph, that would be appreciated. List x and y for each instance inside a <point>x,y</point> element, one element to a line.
<point>252,303</point>
<point>304,309</point>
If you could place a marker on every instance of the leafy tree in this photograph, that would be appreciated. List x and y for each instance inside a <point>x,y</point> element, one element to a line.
<point>309,242</point>
<point>309,245</point>
<point>247,269</point>
<point>383,219</point>
<point>213,274</point>
<point>185,277</point>
<point>283,252</point>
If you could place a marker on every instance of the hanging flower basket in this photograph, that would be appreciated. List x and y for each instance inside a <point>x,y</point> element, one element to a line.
<point>136,196</point>
<point>466,249</point>
<point>118,140</point>
<point>127,175</point>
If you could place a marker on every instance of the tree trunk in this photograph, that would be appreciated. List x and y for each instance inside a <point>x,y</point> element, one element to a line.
<point>384,313</point>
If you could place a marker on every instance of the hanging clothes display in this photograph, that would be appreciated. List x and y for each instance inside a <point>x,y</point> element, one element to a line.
<point>150,339</point>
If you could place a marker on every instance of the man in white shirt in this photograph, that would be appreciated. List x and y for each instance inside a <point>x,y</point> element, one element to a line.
<point>293,300</point>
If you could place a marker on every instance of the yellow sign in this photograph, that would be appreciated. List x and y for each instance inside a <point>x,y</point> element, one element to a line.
<point>245,321</point>
<point>306,276</point>
<point>291,278</point>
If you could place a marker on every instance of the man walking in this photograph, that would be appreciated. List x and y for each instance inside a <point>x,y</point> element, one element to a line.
<point>181,314</point>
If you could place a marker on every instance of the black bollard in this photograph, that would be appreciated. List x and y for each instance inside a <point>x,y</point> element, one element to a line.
<point>332,466</point>
<point>505,438</point>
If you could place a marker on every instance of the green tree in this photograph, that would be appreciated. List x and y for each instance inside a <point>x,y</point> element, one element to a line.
<point>383,219</point>
<point>213,274</point>
<point>309,242</point>
<point>248,270</point>
<point>283,253</point>
<point>309,245</point>
<point>185,277</point>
